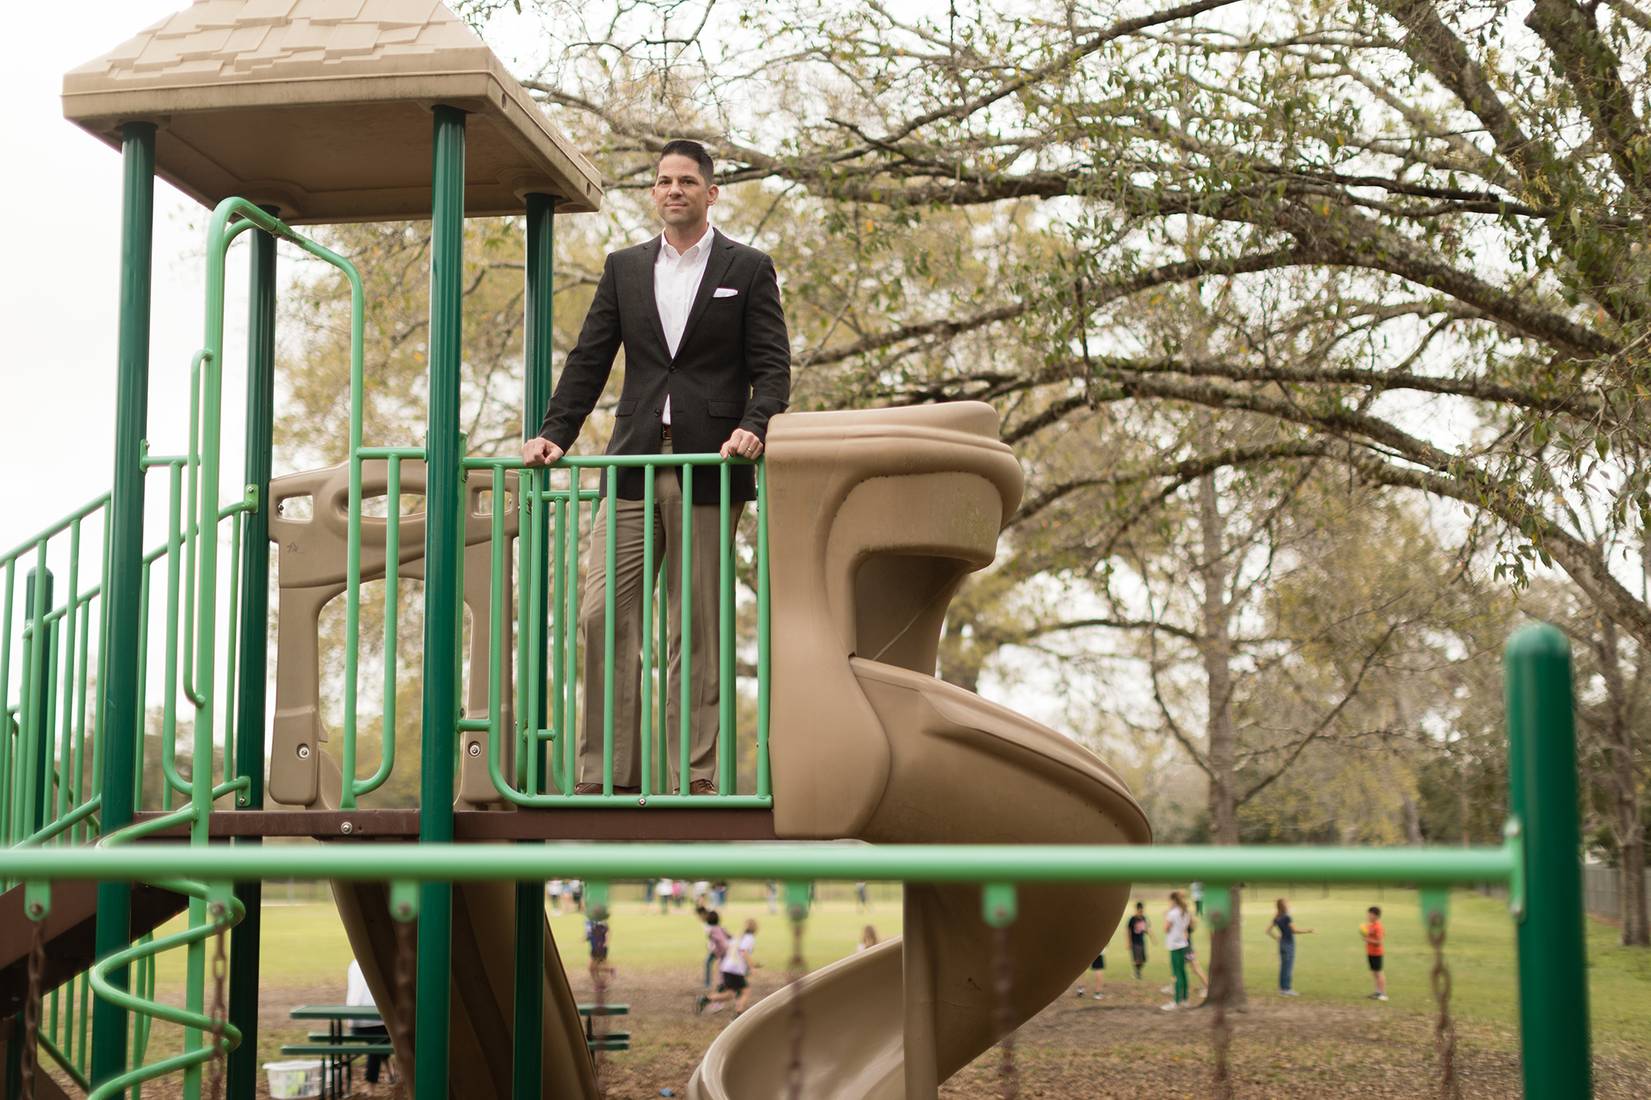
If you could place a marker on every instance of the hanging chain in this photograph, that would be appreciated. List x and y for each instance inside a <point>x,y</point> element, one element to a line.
<point>1444,1030</point>
<point>1221,1038</point>
<point>796,968</point>
<point>599,977</point>
<point>31,1007</point>
<point>220,975</point>
<point>402,1042</point>
<point>1004,983</point>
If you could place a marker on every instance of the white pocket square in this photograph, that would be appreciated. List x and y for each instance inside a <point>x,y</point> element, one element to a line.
<point>724,292</point>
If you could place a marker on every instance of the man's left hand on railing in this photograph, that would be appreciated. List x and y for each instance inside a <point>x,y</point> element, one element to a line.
<point>540,451</point>
<point>743,444</point>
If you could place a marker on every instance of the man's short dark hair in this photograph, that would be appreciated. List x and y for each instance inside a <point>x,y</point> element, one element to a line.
<point>1376,910</point>
<point>694,151</point>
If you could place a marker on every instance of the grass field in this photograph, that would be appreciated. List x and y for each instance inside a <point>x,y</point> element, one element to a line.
<point>1331,1031</point>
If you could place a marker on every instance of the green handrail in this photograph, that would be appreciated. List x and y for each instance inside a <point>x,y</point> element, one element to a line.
<point>532,494</point>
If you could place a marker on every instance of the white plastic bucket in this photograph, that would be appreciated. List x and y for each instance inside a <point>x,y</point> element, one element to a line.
<point>294,1080</point>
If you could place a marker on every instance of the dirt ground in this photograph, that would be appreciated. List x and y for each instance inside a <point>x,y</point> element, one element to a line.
<point>1121,1046</point>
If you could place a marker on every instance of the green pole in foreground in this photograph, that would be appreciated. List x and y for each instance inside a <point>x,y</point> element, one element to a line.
<point>1542,788</point>
<point>120,710</point>
<point>253,643</point>
<point>527,1074</point>
<point>442,542</point>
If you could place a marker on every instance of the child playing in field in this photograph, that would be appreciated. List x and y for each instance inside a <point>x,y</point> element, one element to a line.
<point>1097,974</point>
<point>1177,935</point>
<point>868,939</point>
<point>1374,949</point>
<point>1284,930</point>
<point>596,934</point>
<point>716,942</point>
<point>1140,929</point>
<point>736,969</point>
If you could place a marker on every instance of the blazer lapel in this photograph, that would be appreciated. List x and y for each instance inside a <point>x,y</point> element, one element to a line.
<point>645,283</point>
<point>722,255</point>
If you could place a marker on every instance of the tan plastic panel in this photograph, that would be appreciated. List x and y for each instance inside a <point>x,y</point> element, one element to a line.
<point>877,515</point>
<point>311,569</point>
<point>321,108</point>
<point>483,1010</point>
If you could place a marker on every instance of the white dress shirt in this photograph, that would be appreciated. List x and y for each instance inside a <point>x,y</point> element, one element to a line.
<point>677,276</point>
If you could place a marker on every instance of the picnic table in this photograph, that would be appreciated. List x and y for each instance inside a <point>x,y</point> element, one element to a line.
<point>608,1040</point>
<point>338,1046</point>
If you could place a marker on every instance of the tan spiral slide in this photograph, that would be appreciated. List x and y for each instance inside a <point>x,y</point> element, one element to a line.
<point>876,518</point>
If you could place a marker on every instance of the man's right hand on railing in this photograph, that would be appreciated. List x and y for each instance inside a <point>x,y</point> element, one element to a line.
<point>540,451</point>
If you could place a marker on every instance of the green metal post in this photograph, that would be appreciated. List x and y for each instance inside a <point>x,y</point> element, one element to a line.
<point>119,712</point>
<point>528,1063</point>
<point>441,600</point>
<point>253,642</point>
<point>37,589</point>
<point>1542,788</point>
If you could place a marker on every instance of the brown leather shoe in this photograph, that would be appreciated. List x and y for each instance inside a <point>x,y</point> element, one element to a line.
<point>587,788</point>
<point>702,786</point>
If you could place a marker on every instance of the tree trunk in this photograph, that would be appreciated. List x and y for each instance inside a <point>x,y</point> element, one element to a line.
<point>1636,932</point>
<point>1622,781</point>
<point>1215,647</point>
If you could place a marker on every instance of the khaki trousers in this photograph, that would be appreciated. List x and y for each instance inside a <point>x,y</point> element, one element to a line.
<point>704,675</point>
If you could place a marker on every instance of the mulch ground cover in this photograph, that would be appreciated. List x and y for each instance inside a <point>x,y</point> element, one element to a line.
<point>1121,1046</point>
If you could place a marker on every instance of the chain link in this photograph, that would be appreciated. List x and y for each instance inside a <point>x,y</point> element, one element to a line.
<point>220,975</point>
<point>31,1008</point>
<point>1444,1030</point>
<point>794,975</point>
<point>1004,986</point>
<point>402,1043</point>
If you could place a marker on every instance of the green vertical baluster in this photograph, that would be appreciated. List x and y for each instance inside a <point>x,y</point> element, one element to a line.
<point>66,753</point>
<point>570,629</point>
<point>1542,788</point>
<point>684,695</point>
<point>8,835</point>
<point>726,743</point>
<point>558,701</point>
<point>662,670</point>
<point>764,779</point>
<point>143,679</point>
<point>118,712</point>
<point>609,564</point>
<point>442,615</point>
<point>645,710</point>
<point>392,612</point>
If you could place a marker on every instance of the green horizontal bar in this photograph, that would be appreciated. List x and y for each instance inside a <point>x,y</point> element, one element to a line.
<point>586,462</point>
<point>848,862</point>
<point>391,452</point>
<point>652,801</point>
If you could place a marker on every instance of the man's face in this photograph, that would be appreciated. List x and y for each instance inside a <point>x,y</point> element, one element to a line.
<point>680,193</point>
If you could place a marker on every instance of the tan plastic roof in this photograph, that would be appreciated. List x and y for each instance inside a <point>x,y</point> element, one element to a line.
<point>322,108</point>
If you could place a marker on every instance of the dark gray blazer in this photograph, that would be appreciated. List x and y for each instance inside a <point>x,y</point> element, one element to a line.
<point>731,370</point>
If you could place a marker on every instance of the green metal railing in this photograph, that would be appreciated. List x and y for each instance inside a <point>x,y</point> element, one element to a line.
<point>556,544</point>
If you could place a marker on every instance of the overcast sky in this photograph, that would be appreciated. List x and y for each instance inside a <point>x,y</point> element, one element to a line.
<point>59,284</point>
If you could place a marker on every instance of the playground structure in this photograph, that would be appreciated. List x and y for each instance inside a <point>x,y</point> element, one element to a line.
<point>283,114</point>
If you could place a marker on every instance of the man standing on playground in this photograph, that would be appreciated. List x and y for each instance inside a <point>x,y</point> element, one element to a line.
<point>707,363</point>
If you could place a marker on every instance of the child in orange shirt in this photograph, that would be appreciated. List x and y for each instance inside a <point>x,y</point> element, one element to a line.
<point>1374,936</point>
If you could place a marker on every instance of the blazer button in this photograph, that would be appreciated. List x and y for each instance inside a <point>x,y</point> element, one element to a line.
<point>659,411</point>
